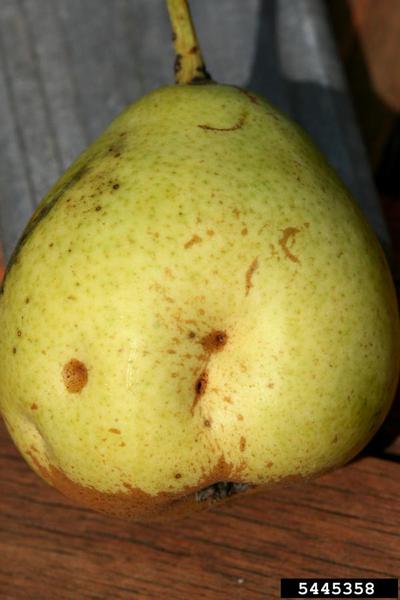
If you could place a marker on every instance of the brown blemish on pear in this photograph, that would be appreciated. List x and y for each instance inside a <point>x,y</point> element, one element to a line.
<point>200,388</point>
<point>238,125</point>
<point>236,212</point>
<point>249,275</point>
<point>75,375</point>
<point>214,341</point>
<point>289,235</point>
<point>135,504</point>
<point>34,406</point>
<point>195,239</point>
<point>117,145</point>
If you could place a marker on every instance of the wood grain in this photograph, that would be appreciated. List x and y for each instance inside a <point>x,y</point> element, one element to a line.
<point>346,524</point>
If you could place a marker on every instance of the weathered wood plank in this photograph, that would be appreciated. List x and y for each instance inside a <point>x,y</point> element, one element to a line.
<point>16,197</point>
<point>59,84</point>
<point>92,34</point>
<point>24,79</point>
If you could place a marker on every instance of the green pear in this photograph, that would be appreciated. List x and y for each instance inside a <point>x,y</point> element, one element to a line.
<point>197,308</point>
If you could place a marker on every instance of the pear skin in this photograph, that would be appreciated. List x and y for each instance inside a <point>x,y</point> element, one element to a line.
<point>197,300</point>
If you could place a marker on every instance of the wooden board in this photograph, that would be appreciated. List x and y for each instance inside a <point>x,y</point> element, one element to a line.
<point>346,524</point>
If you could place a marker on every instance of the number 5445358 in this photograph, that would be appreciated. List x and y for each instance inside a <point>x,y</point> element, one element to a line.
<point>336,588</point>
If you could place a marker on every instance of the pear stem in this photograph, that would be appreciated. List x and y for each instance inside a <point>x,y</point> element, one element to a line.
<point>189,63</point>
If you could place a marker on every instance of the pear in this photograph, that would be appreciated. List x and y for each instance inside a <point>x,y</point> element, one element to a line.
<point>196,309</point>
